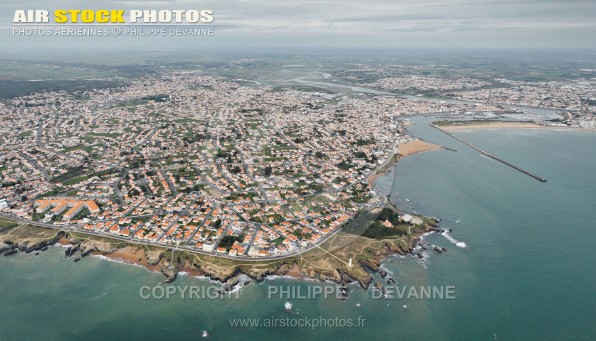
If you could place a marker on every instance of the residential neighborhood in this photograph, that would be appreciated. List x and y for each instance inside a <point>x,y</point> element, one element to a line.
<point>200,163</point>
<point>207,163</point>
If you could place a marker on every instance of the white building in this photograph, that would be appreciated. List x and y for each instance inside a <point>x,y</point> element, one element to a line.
<point>411,219</point>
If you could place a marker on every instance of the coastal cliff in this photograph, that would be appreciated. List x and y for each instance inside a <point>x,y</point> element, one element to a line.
<point>344,258</point>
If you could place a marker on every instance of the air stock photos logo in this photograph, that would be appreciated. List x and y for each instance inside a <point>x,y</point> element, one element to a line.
<point>113,22</point>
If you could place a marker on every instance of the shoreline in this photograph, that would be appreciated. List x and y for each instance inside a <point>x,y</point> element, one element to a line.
<point>416,146</point>
<point>479,124</point>
<point>403,150</point>
<point>171,263</point>
<point>317,264</point>
<point>489,125</point>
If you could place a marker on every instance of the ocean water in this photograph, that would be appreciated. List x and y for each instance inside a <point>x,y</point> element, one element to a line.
<point>526,271</point>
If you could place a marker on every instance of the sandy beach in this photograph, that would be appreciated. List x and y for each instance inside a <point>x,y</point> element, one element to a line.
<point>138,256</point>
<point>416,146</point>
<point>129,254</point>
<point>405,149</point>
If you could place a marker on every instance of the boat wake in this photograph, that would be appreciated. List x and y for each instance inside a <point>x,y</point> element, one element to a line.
<point>99,296</point>
<point>453,240</point>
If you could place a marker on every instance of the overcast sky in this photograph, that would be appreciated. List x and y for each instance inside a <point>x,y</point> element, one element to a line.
<point>350,23</point>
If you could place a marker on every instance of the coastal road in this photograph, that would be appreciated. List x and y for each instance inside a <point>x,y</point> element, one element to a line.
<point>75,228</point>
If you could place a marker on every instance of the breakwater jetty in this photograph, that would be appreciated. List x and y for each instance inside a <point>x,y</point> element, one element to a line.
<point>494,157</point>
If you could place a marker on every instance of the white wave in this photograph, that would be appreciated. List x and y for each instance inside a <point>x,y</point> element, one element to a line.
<point>277,277</point>
<point>238,287</point>
<point>426,234</point>
<point>274,277</point>
<point>387,270</point>
<point>200,277</point>
<point>424,260</point>
<point>119,261</point>
<point>453,240</point>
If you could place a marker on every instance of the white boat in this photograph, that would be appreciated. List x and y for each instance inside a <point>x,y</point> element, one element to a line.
<point>204,334</point>
<point>288,306</point>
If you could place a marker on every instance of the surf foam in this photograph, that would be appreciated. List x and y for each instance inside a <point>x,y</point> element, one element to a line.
<point>453,240</point>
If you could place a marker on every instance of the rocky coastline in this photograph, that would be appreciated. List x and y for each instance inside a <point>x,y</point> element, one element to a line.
<point>322,264</point>
<point>228,272</point>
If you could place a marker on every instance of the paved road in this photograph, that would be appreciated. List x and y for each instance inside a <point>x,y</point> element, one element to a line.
<point>36,165</point>
<point>77,229</point>
<point>167,178</point>
<point>117,190</point>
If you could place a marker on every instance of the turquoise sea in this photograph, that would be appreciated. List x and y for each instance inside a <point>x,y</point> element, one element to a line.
<point>526,273</point>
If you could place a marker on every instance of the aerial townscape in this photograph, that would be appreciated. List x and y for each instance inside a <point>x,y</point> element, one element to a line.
<point>208,164</point>
<point>319,170</point>
<point>195,161</point>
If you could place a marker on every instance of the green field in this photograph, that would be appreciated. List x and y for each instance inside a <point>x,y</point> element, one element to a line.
<point>7,224</point>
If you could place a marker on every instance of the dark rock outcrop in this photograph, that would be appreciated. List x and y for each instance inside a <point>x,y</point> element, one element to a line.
<point>231,283</point>
<point>9,247</point>
<point>10,252</point>
<point>86,252</point>
<point>5,247</point>
<point>370,264</point>
<point>439,249</point>
<point>343,292</point>
<point>72,250</point>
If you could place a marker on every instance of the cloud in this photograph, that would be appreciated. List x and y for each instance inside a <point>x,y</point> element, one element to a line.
<point>549,22</point>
